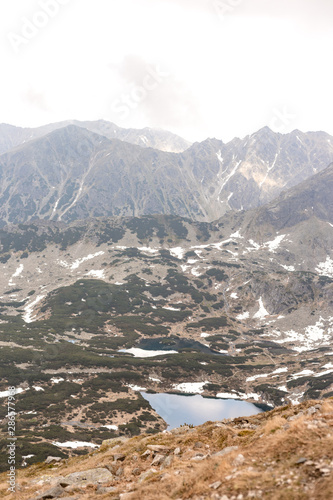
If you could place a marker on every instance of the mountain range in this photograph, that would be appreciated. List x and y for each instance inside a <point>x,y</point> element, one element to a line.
<point>72,173</point>
<point>237,306</point>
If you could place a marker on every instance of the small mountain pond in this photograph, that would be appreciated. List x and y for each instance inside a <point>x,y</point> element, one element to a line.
<point>177,409</point>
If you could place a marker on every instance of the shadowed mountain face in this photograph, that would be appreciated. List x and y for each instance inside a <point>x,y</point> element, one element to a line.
<point>72,173</point>
<point>311,198</point>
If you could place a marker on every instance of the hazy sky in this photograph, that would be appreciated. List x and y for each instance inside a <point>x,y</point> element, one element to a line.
<point>200,68</point>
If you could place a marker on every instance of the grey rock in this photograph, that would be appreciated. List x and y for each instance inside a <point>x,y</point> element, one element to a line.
<point>301,460</point>
<point>158,448</point>
<point>215,485</point>
<point>120,472</point>
<point>94,476</point>
<point>167,462</point>
<point>101,490</point>
<point>147,474</point>
<point>239,460</point>
<point>225,451</point>
<point>158,460</point>
<point>54,492</point>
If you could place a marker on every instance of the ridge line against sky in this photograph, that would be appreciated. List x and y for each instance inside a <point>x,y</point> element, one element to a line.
<point>80,123</point>
<point>199,68</point>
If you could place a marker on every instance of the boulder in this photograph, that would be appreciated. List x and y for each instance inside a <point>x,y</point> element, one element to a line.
<point>158,460</point>
<point>158,448</point>
<point>225,451</point>
<point>54,492</point>
<point>91,476</point>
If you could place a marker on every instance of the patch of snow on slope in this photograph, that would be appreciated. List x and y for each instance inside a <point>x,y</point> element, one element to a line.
<point>265,375</point>
<point>303,373</point>
<point>148,249</point>
<point>219,156</point>
<point>288,268</point>
<point>195,271</point>
<point>274,244</point>
<point>78,262</point>
<point>28,314</point>
<point>136,387</point>
<point>234,296</point>
<point>16,274</point>
<point>96,274</point>
<point>75,444</point>
<point>236,235</point>
<point>313,336</point>
<point>191,387</point>
<point>262,313</point>
<point>56,380</point>
<point>232,173</point>
<point>177,252</point>
<point>242,316</point>
<point>170,308</point>
<point>228,395</point>
<point>143,353</point>
<point>5,394</point>
<point>326,268</point>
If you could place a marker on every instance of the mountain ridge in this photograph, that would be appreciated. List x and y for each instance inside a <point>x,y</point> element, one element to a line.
<point>119,178</point>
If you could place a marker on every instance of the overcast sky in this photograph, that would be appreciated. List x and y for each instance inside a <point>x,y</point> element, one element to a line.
<point>200,68</point>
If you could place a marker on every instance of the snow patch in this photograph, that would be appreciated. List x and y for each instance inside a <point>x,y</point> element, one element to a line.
<point>136,387</point>
<point>78,262</point>
<point>5,394</point>
<point>288,268</point>
<point>28,314</point>
<point>143,353</point>
<point>177,252</point>
<point>242,316</point>
<point>56,380</point>
<point>75,444</point>
<point>325,268</point>
<point>262,313</point>
<point>96,274</point>
<point>191,387</point>
<point>274,244</point>
<point>110,427</point>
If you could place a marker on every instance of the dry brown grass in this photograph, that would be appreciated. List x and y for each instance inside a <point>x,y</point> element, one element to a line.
<point>270,450</point>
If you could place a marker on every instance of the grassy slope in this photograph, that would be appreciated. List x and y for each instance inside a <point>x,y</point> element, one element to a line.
<point>265,465</point>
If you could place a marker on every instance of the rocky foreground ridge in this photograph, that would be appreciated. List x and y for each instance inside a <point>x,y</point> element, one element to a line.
<point>286,453</point>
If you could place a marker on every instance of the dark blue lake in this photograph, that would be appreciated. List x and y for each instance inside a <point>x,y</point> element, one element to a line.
<point>178,409</point>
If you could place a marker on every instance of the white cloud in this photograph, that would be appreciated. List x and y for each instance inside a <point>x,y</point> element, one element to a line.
<point>226,78</point>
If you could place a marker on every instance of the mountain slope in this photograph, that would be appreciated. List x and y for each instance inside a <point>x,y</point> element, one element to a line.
<point>311,198</point>
<point>244,174</point>
<point>282,454</point>
<point>84,174</point>
<point>231,309</point>
<point>72,174</point>
<point>11,136</point>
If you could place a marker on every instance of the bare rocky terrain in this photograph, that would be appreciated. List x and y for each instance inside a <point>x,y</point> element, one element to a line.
<point>76,172</point>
